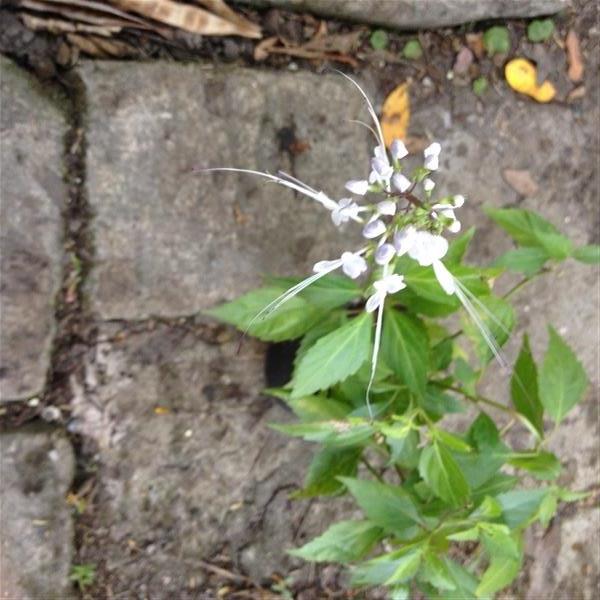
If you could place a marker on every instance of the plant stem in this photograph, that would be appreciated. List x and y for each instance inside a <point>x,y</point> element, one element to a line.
<point>371,469</point>
<point>476,399</point>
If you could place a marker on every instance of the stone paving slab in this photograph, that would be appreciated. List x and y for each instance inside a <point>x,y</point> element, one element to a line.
<point>417,14</point>
<point>36,541</point>
<point>171,243</point>
<point>188,466</point>
<point>32,194</point>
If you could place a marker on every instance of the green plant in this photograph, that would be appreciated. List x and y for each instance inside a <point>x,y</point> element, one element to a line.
<point>496,40</point>
<point>480,86</point>
<point>83,576</point>
<point>378,370</point>
<point>540,30</point>
<point>412,50</point>
<point>379,39</point>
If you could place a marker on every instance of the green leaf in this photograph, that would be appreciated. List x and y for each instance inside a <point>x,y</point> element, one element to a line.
<point>452,441</point>
<point>458,247</point>
<point>437,403</point>
<point>480,85</point>
<point>496,40</point>
<point>311,408</point>
<point>499,318</point>
<point>335,433</point>
<point>379,39</point>
<point>465,582</point>
<point>498,540</point>
<point>498,575</point>
<point>529,229</point>
<point>497,484</point>
<point>328,324</point>
<point>388,506</point>
<point>524,388</point>
<point>588,254</point>
<point>528,260</point>
<point>405,349</point>
<point>289,321</point>
<point>542,465</point>
<point>540,30</point>
<point>519,507</point>
<point>404,451</point>
<point>562,379</point>
<point>326,293</point>
<point>412,50</point>
<point>490,508</point>
<point>326,466</point>
<point>343,542</point>
<point>334,357</point>
<point>443,475</point>
<point>388,569</point>
<point>547,509</point>
<point>436,572</point>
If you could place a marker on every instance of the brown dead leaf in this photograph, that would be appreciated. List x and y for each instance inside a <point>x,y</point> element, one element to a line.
<point>574,57</point>
<point>186,17</point>
<point>463,61</point>
<point>395,114</point>
<point>475,43</point>
<point>58,26</point>
<point>576,94</point>
<point>262,49</point>
<point>521,181</point>
<point>219,8</point>
<point>101,47</point>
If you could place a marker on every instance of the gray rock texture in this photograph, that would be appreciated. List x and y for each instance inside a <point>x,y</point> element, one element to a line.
<point>32,193</point>
<point>188,464</point>
<point>171,243</point>
<point>36,542</point>
<point>417,14</point>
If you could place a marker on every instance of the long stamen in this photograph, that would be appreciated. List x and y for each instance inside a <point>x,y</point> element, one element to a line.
<point>357,122</point>
<point>376,344</point>
<point>303,189</point>
<point>370,108</point>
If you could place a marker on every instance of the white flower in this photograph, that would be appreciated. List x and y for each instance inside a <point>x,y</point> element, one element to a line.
<point>426,248</point>
<point>384,254</point>
<point>352,263</point>
<point>403,240</point>
<point>428,184</point>
<point>432,154</point>
<point>400,182</point>
<point>381,170</point>
<point>346,209</point>
<point>398,150</point>
<point>386,207</point>
<point>390,284</point>
<point>374,229</point>
<point>358,186</point>
<point>447,210</point>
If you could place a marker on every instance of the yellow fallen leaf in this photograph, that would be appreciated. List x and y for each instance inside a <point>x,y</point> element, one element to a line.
<point>521,76</point>
<point>395,115</point>
<point>161,410</point>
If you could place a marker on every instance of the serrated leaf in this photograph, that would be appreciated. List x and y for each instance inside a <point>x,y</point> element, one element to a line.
<point>519,507</point>
<point>499,318</point>
<point>326,466</point>
<point>388,569</point>
<point>528,260</point>
<point>498,575</point>
<point>443,475</point>
<point>388,506</point>
<point>524,388</point>
<point>289,321</point>
<point>406,567</point>
<point>588,254</point>
<point>328,324</point>
<point>458,247</point>
<point>343,542</point>
<point>405,349</point>
<point>498,540</point>
<point>529,229</point>
<point>437,403</point>
<point>562,379</point>
<point>542,465</point>
<point>334,357</point>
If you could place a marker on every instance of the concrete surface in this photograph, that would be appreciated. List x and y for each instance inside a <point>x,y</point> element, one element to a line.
<point>32,194</point>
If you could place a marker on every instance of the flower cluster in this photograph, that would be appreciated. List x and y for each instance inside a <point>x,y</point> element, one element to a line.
<point>398,217</point>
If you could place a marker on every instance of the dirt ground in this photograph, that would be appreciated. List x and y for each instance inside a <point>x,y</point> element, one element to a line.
<point>99,350</point>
